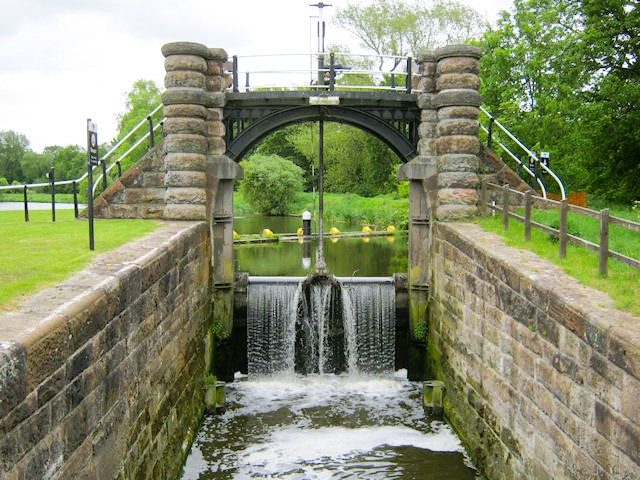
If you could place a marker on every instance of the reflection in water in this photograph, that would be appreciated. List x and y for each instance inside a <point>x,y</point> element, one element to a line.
<point>345,257</point>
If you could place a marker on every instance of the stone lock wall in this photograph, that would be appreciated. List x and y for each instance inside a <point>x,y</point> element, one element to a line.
<point>542,373</point>
<point>101,377</point>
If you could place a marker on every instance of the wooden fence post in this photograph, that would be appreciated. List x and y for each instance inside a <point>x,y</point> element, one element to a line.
<point>505,207</point>
<point>527,215</point>
<point>604,242</point>
<point>563,228</point>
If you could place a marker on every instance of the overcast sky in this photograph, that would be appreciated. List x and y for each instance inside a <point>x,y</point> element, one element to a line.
<point>63,61</point>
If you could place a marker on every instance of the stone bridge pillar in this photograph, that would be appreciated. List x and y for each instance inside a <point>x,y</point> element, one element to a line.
<point>199,177</point>
<point>443,176</point>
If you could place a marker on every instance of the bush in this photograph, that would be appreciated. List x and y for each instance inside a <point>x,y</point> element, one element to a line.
<point>271,183</point>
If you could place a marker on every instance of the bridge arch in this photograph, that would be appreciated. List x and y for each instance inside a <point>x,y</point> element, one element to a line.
<point>401,144</point>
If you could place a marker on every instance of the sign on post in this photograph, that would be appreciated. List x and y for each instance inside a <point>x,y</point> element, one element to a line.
<point>92,161</point>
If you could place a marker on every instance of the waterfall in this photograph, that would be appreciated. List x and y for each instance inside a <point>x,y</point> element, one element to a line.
<point>320,325</point>
<point>271,319</point>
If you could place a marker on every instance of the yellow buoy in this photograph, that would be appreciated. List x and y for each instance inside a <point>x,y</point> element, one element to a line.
<point>300,232</point>
<point>267,233</point>
<point>334,231</point>
<point>366,229</point>
<point>235,235</point>
<point>334,239</point>
<point>391,228</point>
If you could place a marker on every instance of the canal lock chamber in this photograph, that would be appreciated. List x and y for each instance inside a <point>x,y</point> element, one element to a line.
<point>317,370</point>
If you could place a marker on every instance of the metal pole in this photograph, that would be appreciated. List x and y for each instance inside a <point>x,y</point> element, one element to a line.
<point>235,73</point>
<point>152,140</point>
<point>321,266</point>
<point>53,193</point>
<point>26,205</point>
<point>75,198</point>
<point>90,203</point>
<point>409,83</point>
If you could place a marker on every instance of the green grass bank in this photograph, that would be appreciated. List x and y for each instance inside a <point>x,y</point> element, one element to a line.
<point>40,253</point>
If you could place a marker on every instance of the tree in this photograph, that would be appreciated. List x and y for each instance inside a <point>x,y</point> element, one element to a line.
<point>13,146</point>
<point>564,76</point>
<point>402,28</point>
<point>143,97</point>
<point>270,183</point>
<point>355,161</point>
<point>35,166</point>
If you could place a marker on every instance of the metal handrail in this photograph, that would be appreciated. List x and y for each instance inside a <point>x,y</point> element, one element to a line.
<point>124,155</point>
<point>101,164</point>
<point>315,72</point>
<point>489,131</point>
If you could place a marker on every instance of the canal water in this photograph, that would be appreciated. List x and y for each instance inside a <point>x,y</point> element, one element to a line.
<point>366,422</point>
<point>325,427</point>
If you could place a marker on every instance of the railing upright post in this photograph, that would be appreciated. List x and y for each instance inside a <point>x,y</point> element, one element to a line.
<point>505,207</point>
<point>246,82</point>
<point>152,140</point>
<point>235,74</point>
<point>564,228</point>
<point>527,215</point>
<point>52,180</point>
<point>393,80</point>
<point>119,165</point>
<point>105,183</point>
<point>332,72</point>
<point>409,81</point>
<point>604,242</point>
<point>26,205</point>
<point>74,185</point>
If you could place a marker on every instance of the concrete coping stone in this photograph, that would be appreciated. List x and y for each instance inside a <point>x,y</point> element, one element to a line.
<point>458,51</point>
<point>193,48</point>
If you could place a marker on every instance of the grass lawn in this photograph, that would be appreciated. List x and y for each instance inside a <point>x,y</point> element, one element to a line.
<point>41,253</point>
<point>622,283</point>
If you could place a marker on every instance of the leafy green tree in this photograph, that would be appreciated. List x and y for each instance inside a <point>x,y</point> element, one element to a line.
<point>280,143</point>
<point>387,27</point>
<point>13,146</point>
<point>564,76</point>
<point>143,97</point>
<point>270,183</point>
<point>35,166</point>
<point>355,161</point>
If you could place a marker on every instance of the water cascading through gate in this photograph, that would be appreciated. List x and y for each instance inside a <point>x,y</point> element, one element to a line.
<point>320,324</point>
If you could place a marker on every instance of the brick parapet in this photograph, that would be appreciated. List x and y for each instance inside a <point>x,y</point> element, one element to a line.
<point>102,375</point>
<point>543,373</point>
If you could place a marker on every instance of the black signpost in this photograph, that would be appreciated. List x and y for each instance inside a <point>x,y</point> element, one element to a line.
<point>92,161</point>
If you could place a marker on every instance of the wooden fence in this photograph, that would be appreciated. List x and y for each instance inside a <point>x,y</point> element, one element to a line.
<point>507,197</point>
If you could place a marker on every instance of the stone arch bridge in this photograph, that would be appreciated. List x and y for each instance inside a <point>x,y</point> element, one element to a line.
<point>433,128</point>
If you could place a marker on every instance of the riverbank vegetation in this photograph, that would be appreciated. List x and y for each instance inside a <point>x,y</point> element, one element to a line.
<point>41,253</point>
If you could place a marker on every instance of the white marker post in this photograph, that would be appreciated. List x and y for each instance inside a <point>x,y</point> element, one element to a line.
<point>92,161</point>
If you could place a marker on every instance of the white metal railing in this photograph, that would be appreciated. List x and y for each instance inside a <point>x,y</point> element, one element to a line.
<point>531,155</point>
<point>102,161</point>
<point>320,72</point>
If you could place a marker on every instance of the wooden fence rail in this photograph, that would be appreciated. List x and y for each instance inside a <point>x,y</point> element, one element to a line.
<point>527,201</point>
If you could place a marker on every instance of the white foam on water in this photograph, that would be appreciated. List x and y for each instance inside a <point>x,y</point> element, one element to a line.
<point>292,446</point>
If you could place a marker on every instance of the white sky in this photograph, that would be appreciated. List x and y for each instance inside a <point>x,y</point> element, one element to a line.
<point>63,61</point>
